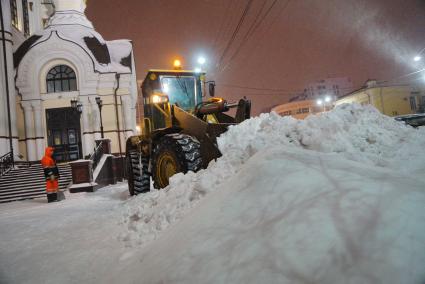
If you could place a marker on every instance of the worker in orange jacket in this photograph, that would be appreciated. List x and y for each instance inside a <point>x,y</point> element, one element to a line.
<point>51,174</point>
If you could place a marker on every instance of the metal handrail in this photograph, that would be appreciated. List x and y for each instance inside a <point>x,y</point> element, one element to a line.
<point>6,163</point>
<point>97,154</point>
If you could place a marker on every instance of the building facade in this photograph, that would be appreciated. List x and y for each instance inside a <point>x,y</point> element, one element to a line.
<point>330,86</point>
<point>62,59</point>
<point>391,100</point>
<point>301,109</point>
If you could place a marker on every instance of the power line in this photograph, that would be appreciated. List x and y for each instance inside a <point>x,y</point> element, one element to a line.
<point>260,89</point>
<point>405,75</point>
<point>252,30</point>
<point>222,26</point>
<point>235,32</point>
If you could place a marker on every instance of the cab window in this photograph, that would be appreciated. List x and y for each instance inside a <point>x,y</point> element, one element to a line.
<point>180,90</point>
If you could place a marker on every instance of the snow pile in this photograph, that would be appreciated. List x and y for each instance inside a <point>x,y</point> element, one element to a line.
<point>352,132</point>
<point>359,133</point>
<point>295,216</point>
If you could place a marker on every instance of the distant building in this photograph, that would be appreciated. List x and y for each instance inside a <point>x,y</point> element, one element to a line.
<point>54,55</point>
<point>317,97</point>
<point>330,86</point>
<point>301,109</point>
<point>391,100</point>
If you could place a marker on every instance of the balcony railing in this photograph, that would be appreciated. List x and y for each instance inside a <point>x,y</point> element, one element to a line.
<point>6,163</point>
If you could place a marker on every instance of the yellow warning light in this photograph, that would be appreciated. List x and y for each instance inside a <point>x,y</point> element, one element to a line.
<point>177,64</point>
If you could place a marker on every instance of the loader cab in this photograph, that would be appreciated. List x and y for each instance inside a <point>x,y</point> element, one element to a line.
<point>162,88</point>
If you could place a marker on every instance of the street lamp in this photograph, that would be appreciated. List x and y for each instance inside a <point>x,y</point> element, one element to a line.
<point>321,103</point>
<point>99,104</point>
<point>201,60</point>
<point>77,105</point>
<point>417,58</point>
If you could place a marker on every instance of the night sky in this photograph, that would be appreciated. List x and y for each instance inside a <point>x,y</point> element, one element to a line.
<point>280,45</point>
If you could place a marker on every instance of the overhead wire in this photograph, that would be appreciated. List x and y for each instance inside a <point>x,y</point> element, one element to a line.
<point>251,27</point>
<point>252,30</point>
<point>255,88</point>
<point>235,32</point>
<point>220,31</point>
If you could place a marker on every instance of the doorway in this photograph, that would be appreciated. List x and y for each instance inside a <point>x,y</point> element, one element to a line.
<point>64,133</point>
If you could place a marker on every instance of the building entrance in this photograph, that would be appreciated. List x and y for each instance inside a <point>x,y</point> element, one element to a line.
<point>63,133</point>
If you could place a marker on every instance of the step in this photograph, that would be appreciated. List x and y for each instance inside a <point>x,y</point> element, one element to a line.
<point>28,182</point>
<point>25,187</point>
<point>20,198</point>
<point>4,195</point>
<point>32,180</point>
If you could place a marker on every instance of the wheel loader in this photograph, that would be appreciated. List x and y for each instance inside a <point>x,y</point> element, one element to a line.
<point>179,129</point>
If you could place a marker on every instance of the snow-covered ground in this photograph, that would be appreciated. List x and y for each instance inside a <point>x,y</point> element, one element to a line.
<point>336,198</point>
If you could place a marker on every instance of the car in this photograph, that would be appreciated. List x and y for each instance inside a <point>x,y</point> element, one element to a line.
<point>415,120</point>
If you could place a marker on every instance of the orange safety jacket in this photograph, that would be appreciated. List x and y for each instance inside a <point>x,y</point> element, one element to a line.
<point>50,171</point>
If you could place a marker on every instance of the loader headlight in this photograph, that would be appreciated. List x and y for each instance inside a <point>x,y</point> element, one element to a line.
<point>159,99</point>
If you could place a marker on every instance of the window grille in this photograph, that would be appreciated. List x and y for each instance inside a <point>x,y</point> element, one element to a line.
<point>61,78</point>
<point>14,13</point>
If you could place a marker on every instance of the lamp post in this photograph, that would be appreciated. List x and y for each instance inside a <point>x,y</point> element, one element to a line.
<point>99,105</point>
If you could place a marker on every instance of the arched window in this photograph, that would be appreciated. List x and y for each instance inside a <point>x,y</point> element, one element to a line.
<point>61,78</point>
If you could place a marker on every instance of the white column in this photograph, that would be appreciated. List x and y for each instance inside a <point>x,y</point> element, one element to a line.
<point>39,130</point>
<point>88,143</point>
<point>9,74</point>
<point>29,131</point>
<point>95,118</point>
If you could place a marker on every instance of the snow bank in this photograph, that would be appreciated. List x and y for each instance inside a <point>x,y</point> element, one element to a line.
<point>353,132</point>
<point>296,216</point>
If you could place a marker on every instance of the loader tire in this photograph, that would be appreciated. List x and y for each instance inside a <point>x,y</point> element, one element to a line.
<point>138,177</point>
<point>174,153</point>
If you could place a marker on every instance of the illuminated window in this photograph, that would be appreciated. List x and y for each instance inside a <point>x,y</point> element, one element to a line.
<point>61,78</point>
<point>14,13</point>
<point>26,17</point>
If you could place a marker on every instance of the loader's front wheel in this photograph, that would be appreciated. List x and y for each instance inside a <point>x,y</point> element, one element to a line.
<point>174,153</point>
<point>138,175</point>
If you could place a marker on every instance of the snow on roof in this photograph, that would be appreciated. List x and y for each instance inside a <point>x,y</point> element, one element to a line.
<point>72,26</point>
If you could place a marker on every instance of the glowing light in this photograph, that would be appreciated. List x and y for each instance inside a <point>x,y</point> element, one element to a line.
<point>327,99</point>
<point>177,63</point>
<point>198,69</point>
<point>157,99</point>
<point>201,60</point>
<point>417,58</point>
<point>165,88</point>
<point>319,102</point>
<point>138,129</point>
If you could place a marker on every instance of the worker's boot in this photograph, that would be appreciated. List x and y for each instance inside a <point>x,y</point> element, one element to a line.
<point>52,197</point>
